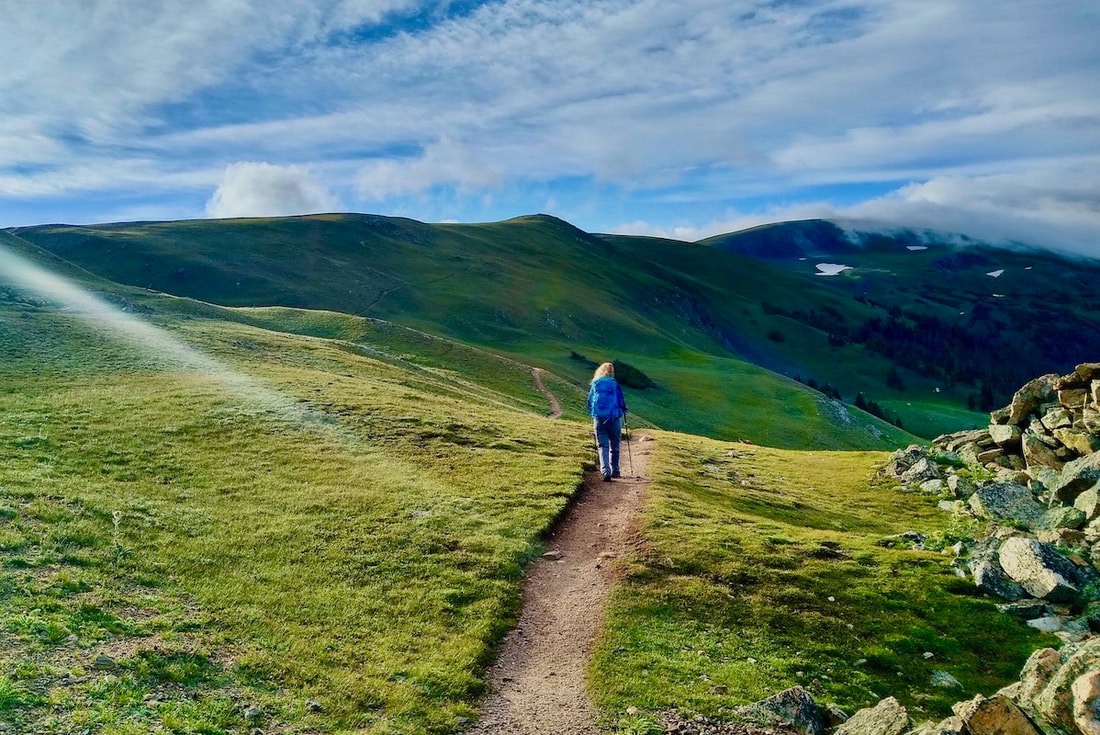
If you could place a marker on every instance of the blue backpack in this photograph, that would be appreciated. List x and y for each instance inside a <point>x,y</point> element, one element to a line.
<point>605,400</point>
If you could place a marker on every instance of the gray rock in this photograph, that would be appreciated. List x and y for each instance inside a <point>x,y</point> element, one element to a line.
<point>922,471</point>
<point>793,707</point>
<point>1039,568</point>
<point>953,506</point>
<point>991,579</point>
<point>933,487</point>
<point>887,717</point>
<point>1037,453</point>
<point>1046,624</point>
<point>1088,371</point>
<point>1088,503</point>
<point>1078,440</point>
<point>1007,503</point>
<point>944,680</point>
<point>1073,397</point>
<point>1057,418</point>
<point>1086,703</point>
<point>1005,435</point>
<point>950,726</point>
<point>997,715</point>
<point>1062,517</point>
<point>1032,395</point>
<point>103,663</point>
<point>1077,477</point>
<point>1025,609</point>
<point>960,487</point>
<point>1036,675</point>
<point>1055,702</point>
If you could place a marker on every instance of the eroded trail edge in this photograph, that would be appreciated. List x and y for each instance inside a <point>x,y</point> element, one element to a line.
<point>537,686</point>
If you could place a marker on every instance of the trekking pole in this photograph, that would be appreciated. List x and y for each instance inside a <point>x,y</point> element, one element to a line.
<point>629,456</point>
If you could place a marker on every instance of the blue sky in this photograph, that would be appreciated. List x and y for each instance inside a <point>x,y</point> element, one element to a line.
<point>682,118</point>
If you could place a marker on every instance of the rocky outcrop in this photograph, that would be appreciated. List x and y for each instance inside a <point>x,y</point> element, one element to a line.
<point>1039,569</point>
<point>887,717</point>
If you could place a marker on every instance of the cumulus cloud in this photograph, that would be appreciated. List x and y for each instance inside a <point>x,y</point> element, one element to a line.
<point>250,189</point>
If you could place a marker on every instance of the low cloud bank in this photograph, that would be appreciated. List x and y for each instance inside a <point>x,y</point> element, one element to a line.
<point>253,189</point>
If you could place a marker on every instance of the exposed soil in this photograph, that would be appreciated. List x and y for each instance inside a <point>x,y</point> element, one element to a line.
<point>537,686</point>
<point>555,407</point>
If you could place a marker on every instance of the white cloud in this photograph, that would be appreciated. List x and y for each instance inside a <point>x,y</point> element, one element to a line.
<point>444,162</point>
<point>250,189</point>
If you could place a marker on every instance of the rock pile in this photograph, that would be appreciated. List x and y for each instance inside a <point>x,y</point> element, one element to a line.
<point>1034,476</point>
<point>1058,693</point>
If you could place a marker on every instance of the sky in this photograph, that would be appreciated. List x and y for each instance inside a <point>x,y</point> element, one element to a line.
<point>682,119</point>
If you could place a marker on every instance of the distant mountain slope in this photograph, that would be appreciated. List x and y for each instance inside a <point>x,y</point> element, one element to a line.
<point>920,327</point>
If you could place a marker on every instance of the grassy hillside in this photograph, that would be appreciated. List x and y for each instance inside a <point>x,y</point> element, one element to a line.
<point>358,545</point>
<point>590,305</point>
<point>760,569</point>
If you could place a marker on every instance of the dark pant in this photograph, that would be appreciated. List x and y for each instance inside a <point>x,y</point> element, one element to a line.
<point>608,434</point>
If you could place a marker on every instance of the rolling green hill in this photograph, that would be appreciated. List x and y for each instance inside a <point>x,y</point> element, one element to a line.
<point>916,324</point>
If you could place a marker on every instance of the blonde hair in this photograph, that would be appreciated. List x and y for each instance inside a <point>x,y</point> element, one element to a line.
<point>606,370</point>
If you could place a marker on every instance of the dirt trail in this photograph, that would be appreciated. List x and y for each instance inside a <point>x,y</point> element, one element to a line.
<point>555,407</point>
<point>537,686</point>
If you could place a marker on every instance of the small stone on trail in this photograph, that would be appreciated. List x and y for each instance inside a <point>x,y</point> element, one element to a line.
<point>555,555</point>
<point>313,705</point>
<point>103,662</point>
<point>253,713</point>
<point>928,655</point>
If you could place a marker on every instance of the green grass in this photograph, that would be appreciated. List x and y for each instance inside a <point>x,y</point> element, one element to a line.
<point>763,570</point>
<point>229,556</point>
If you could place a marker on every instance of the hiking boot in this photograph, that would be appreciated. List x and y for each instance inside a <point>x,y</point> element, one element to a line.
<point>616,474</point>
<point>607,477</point>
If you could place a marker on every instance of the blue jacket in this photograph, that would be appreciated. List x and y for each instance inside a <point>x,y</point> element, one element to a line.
<point>620,401</point>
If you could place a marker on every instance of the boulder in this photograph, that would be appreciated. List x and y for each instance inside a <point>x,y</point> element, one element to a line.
<point>950,726</point>
<point>1057,418</point>
<point>953,442</point>
<point>933,487</point>
<point>1073,397</point>
<point>1039,568</point>
<point>991,579</point>
<point>887,717</point>
<point>1078,440</point>
<point>1005,435</point>
<point>1090,418</point>
<point>1055,702</point>
<point>1007,503</point>
<point>1077,477</point>
<point>1088,371</point>
<point>996,715</point>
<point>921,471</point>
<point>1062,517</point>
<point>1037,453</point>
<point>792,707</point>
<point>1042,434</point>
<point>991,455</point>
<point>1094,392</point>
<point>1032,395</point>
<point>1001,415</point>
<point>1086,703</point>
<point>960,487</point>
<point>1036,675</point>
<point>1026,609</point>
<point>1088,503</point>
<point>902,460</point>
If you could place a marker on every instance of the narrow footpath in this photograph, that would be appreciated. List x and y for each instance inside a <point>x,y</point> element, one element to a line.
<point>555,407</point>
<point>537,686</point>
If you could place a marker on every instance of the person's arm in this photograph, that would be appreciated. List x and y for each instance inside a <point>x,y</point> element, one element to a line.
<point>591,391</point>
<point>622,399</point>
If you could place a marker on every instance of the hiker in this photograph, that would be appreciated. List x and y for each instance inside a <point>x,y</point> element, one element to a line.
<point>607,407</point>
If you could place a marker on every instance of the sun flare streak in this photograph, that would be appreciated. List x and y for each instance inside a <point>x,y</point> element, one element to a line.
<point>117,324</point>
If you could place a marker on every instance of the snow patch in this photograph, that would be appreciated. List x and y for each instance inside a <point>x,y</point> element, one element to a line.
<point>831,269</point>
<point>996,273</point>
<point>916,247</point>
<point>998,295</point>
